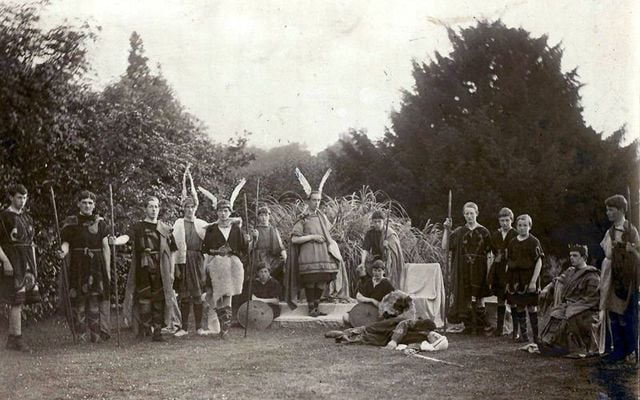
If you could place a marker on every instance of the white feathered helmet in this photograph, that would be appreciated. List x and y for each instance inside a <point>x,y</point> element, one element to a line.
<point>305,183</point>
<point>218,205</point>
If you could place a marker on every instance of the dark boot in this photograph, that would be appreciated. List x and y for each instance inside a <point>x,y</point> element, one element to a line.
<point>533,320</point>
<point>522,321</point>
<point>316,306</point>
<point>311,301</point>
<point>197,314</point>
<point>144,326</point>
<point>474,319</point>
<point>185,309</point>
<point>157,334</point>
<point>500,321</point>
<point>515,333</point>
<point>225,322</point>
<point>157,318</point>
<point>93,317</point>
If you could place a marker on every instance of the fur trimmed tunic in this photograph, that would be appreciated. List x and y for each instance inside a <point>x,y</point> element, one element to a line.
<point>223,269</point>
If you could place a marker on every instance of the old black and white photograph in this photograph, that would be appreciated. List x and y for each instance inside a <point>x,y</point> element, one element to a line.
<point>340,199</point>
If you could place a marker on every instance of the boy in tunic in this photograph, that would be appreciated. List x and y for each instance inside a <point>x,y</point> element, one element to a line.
<point>85,239</point>
<point>619,284</point>
<point>269,246</point>
<point>150,299</point>
<point>470,247</point>
<point>267,289</point>
<point>387,248</point>
<point>375,288</point>
<point>18,284</point>
<point>189,233</point>
<point>500,238</point>
<point>223,246</point>
<point>524,263</point>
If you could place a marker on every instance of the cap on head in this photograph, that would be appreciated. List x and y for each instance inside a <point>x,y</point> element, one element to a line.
<point>222,204</point>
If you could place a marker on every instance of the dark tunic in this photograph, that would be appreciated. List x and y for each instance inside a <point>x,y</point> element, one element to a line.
<point>88,273</point>
<point>269,290</point>
<point>376,292</point>
<point>373,244</point>
<point>146,244</point>
<point>498,273</point>
<point>269,246</point>
<point>469,249</point>
<point>189,280</point>
<point>214,242</point>
<point>16,240</point>
<point>522,256</point>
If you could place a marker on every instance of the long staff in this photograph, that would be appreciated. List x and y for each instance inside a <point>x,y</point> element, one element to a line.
<point>251,260</point>
<point>447,268</point>
<point>115,266</point>
<point>63,270</point>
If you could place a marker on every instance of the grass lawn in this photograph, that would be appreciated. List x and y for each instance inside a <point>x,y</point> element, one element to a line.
<point>293,364</point>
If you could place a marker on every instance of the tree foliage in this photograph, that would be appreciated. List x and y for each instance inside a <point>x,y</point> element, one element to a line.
<point>57,131</point>
<point>497,122</point>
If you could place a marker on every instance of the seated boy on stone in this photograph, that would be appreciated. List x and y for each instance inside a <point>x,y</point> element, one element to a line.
<point>373,289</point>
<point>266,289</point>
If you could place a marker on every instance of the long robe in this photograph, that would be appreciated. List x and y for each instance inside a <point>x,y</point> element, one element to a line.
<point>469,264</point>
<point>172,316</point>
<point>568,322</point>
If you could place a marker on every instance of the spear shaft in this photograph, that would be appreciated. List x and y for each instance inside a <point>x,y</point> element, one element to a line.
<point>63,270</point>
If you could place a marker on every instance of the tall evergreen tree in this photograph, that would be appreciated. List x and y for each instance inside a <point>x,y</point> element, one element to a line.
<point>498,123</point>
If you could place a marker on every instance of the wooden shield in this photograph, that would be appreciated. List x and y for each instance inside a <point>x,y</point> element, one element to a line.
<point>260,315</point>
<point>363,314</point>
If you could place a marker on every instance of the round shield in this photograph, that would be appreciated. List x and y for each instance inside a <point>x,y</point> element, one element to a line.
<point>363,314</point>
<point>260,315</point>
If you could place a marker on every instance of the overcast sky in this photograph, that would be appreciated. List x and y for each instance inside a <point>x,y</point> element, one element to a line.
<point>307,71</point>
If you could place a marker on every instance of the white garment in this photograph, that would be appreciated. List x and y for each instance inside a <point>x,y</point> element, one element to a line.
<point>181,240</point>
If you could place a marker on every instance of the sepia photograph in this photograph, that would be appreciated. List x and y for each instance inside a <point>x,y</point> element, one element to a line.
<point>340,199</point>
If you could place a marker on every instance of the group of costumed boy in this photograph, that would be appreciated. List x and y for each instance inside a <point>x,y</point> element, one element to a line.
<point>197,265</point>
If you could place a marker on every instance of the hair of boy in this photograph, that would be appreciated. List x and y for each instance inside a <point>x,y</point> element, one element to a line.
<point>472,205</point>
<point>264,210</point>
<point>617,201</point>
<point>86,194</point>
<point>379,264</point>
<point>579,248</point>
<point>526,218</point>
<point>149,199</point>
<point>17,189</point>
<point>505,212</point>
<point>377,215</point>
<point>188,202</point>
<point>262,265</point>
